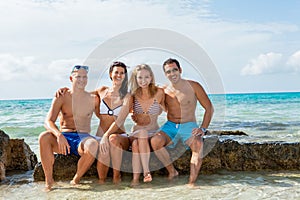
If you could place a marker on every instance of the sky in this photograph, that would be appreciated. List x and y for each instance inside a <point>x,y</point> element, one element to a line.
<point>254,45</point>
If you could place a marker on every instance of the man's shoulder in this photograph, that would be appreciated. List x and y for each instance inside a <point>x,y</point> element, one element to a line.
<point>194,84</point>
<point>102,88</point>
<point>160,90</point>
<point>89,95</point>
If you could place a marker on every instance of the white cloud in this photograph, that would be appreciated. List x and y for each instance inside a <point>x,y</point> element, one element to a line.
<point>29,68</point>
<point>264,63</point>
<point>12,67</point>
<point>294,61</point>
<point>60,69</point>
<point>40,38</point>
<point>272,63</point>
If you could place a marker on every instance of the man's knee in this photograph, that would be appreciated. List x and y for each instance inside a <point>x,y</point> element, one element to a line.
<point>196,144</point>
<point>45,136</point>
<point>91,146</point>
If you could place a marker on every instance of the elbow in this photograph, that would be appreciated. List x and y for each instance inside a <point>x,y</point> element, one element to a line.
<point>211,110</point>
<point>46,125</point>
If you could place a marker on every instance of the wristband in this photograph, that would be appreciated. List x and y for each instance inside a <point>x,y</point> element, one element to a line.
<point>204,130</point>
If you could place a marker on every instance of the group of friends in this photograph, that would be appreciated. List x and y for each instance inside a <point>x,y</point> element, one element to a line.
<point>145,101</point>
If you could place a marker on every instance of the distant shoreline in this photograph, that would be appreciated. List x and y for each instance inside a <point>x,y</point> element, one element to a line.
<point>233,93</point>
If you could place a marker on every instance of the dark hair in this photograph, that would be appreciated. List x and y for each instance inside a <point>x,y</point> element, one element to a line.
<point>124,87</point>
<point>170,61</point>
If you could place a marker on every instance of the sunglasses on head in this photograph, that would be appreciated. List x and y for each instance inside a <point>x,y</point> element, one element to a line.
<point>78,67</point>
<point>118,63</point>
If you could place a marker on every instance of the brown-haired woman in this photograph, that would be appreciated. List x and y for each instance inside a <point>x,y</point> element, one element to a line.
<point>146,101</point>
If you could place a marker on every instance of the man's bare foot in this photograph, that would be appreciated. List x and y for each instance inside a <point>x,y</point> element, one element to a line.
<point>173,175</point>
<point>147,178</point>
<point>134,183</point>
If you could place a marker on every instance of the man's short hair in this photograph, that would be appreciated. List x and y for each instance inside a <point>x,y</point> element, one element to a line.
<point>170,61</point>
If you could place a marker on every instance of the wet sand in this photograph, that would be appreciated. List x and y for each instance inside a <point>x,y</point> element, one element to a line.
<point>223,185</point>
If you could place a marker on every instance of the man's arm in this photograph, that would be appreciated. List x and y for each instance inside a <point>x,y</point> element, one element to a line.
<point>52,116</point>
<point>56,106</point>
<point>205,103</point>
<point>161,93</point>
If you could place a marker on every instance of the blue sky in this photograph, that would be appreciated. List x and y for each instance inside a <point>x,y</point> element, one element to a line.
<point>255,45</point>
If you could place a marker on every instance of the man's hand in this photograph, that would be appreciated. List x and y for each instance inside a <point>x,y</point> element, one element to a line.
<point>104,144</point>
<point>197,132</point>
<point>63,145</point>
<point>61,92</point>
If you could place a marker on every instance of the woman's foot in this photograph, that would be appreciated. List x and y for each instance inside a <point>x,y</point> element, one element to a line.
<point>134,183</point>
<point>173,175</point>
<point>101,181</point>
<point>75,180</point>
<point>147,177</point>
<point>49,185</point>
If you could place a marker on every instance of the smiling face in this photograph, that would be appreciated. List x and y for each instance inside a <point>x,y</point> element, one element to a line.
<point>172,72</point>
<point>117,75</point>
<point>143,78</point>
<point>79,78</point>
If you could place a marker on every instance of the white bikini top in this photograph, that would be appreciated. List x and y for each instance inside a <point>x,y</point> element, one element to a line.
<point>105,109</point>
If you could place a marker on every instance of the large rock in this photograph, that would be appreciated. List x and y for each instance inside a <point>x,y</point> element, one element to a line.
<point>15,154</point>
<point>219,154</point>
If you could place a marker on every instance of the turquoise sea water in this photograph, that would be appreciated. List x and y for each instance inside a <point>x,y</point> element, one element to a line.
<point>263,116</point>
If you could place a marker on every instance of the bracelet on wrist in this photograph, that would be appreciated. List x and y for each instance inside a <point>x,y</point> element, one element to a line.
<point>204,130</point>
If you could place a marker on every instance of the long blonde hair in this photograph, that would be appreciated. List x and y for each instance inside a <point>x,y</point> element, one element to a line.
<point>134,87</point>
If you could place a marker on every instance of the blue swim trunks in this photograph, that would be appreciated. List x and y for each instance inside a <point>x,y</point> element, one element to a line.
<point>74,140</point>
<point>178,131</point>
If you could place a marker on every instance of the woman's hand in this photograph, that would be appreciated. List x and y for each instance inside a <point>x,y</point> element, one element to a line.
<point>141,119</point>
<point>104,144</point>
<point>61,92</point>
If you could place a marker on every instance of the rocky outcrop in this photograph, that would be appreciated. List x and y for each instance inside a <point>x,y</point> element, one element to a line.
<point>219,154</point>
<point>15,154</point>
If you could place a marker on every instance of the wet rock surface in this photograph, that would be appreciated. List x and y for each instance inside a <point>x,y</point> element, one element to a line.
<point>15,155</point>
<point>218,155</point>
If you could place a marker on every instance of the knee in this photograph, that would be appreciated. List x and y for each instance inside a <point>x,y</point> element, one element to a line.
<point>135,145</point>
<point>157,142</point>
<point>44,137</point>
<point>91,145</point>
<point>197,144</point>
<point>114,139</point>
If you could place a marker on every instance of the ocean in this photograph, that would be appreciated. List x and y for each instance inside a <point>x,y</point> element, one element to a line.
<point>263,116</point>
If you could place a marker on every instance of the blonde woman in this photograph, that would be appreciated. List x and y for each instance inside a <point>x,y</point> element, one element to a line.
<point>146,101</point>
